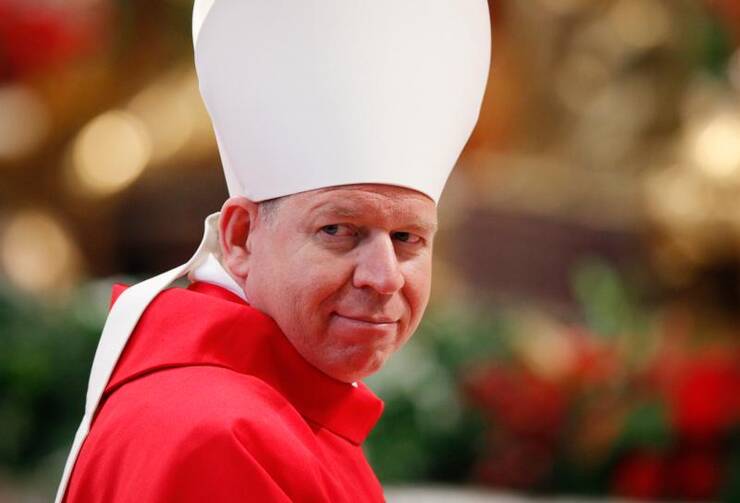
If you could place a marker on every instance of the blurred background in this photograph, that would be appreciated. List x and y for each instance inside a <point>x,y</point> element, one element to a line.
<point>583,336</point>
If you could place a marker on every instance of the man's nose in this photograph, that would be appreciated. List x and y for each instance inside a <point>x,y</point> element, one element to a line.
<point>377,266</point>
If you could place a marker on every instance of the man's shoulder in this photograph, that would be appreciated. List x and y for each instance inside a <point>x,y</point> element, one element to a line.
<point>192,431</point>
<point>206,400</point>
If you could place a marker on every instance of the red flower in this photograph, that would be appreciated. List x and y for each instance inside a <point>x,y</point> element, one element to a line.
<point>516,464</point>
<point>34,37</point>
<point>705,400</point>
<point>596,363</point>
<point>520,403</point>
<point>640,476</point>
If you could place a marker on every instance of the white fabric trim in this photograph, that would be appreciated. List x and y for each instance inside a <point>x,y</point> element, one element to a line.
<point>211,271</point>
<point>122,319</point>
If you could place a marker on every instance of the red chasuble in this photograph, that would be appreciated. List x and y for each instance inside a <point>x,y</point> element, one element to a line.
<point>211,403</point>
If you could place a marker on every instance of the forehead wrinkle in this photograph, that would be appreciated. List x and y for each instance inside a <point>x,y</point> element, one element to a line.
<point>339,210</point>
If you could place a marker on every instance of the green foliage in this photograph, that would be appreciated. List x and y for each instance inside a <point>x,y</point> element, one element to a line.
<point>717,47</point>
<point>44,365</point>
<point>427,432</point>
<point>731,489</point>
<point>646,427</point>
<point>606,302</point>
<point>611,309</point>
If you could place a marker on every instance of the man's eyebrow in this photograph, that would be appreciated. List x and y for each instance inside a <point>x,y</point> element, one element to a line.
<point>423,227</point>
<point>342,211</point>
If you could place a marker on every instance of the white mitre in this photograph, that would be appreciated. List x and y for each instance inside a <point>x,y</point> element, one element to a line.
<point>308,94</point>
<point>317,93</point>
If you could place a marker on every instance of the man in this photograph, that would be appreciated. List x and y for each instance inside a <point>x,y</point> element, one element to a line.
<point>338,122</point>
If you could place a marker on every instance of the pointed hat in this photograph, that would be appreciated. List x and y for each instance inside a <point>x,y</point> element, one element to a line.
<point>317,93</point>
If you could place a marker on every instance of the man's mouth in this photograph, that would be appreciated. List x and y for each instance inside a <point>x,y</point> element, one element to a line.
<point>372,320</point>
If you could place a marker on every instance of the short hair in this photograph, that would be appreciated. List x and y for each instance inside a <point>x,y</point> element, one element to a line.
<point>268,209</point>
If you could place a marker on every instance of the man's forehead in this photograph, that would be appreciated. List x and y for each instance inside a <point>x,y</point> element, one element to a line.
<point>390,191</point>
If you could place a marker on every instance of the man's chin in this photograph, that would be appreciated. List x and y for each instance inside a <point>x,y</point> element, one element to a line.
<point>357,366</point>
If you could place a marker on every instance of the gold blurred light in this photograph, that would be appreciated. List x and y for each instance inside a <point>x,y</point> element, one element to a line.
<point>565,7</point>
<point>582,75</point>
<point>175,117</point>
<point>676,198</point>
<point>169,114</point>
<point>681,202</point>
<point>546,350</point>
<point>111,152</point>
<point>714,146</point>
<point>38,255</point>
<point>640,24</point>
<point>24,121</point>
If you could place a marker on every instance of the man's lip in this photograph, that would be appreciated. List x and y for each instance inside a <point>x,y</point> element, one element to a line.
<point>368,319</point>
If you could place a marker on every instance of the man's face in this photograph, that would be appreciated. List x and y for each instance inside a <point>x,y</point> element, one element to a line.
<point>345,272</point>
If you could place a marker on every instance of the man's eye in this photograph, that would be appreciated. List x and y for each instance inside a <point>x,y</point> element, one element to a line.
<point>337,230</point>
<point>407,237</point>
<point>330,229</point>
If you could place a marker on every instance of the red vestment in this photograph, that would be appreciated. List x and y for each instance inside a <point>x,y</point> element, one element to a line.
<point>210,402</point>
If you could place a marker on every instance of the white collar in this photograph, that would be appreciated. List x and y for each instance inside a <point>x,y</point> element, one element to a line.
<point>211,271</point>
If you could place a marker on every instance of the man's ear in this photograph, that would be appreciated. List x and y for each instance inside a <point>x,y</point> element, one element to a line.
<point>238,217</point>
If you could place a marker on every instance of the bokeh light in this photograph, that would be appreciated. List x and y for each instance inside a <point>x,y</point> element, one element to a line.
<point>168,112</point>
<point>715,145</point>
<point>640,24</point>
<point>111,152</point>
<point>38,254</point>
<point>21,137</point>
